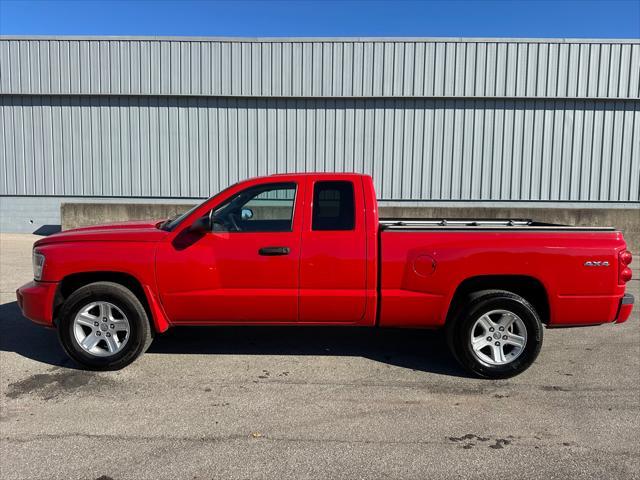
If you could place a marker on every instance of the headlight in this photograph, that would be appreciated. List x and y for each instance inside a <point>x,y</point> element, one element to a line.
<point>38,265</point>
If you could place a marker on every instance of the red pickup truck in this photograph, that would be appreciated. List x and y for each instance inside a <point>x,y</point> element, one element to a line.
<point>309,249</point>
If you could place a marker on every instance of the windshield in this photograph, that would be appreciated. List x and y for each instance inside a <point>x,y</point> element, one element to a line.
<point>171,223</point>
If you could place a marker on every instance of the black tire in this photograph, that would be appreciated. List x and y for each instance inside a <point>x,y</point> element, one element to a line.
<point>471,309</point>
<point>139,336</point>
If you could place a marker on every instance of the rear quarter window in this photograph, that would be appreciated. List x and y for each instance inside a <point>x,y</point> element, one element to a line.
<point>333,206</point>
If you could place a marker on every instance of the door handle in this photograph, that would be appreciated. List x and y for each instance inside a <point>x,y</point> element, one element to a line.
<point>273,251</point>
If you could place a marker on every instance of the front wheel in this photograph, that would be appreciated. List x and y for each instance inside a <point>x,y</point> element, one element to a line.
<point>495,334</point>
<point>103,326</point>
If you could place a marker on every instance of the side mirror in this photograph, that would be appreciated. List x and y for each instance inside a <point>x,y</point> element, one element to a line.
<point>202,225</point>
<point>246,214</point>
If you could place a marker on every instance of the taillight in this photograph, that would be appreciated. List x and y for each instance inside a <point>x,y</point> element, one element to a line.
<point>624,259</point>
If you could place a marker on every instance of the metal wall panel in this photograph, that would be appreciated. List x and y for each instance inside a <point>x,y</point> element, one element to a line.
<point>303,68</point>
<point>416,149</point>
<point>430,119</point>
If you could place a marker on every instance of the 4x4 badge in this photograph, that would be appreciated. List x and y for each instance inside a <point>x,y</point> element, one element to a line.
<point>593,263</point>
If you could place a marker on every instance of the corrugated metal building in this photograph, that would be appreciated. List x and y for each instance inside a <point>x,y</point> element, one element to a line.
<point>433,120</point>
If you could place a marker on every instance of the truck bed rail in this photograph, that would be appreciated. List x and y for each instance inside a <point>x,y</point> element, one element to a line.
<point>479,224</point>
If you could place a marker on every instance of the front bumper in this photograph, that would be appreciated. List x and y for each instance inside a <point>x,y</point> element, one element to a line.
<point>35,299</point>
<point>626,306</point>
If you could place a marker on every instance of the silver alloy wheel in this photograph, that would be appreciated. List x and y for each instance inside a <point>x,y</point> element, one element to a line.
<point>498,337</point>
<point>101,329</point>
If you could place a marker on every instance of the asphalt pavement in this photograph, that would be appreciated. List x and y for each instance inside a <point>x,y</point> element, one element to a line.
<point>312,403</point>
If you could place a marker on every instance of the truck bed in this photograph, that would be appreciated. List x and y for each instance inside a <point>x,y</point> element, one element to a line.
<point>510,224</point>
<point>423,261</point>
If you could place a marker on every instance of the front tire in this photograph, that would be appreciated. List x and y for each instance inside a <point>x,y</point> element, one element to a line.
<point>103,326</point>
<point>495,334</point>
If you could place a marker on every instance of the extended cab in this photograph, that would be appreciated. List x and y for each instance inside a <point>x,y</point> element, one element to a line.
<point>309,249</point>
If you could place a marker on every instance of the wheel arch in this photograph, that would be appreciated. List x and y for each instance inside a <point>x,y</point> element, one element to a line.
<point>528,287</point>
<point>72,282</point>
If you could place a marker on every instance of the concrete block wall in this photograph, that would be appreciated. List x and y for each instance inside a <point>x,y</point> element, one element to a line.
<point>626,219</point>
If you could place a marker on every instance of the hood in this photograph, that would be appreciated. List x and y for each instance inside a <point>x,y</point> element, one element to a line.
<point>134,231</point>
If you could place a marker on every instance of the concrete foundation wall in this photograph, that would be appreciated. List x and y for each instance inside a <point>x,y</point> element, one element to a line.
<point>23,214</point>
<point>626,219</point>
<point>73,215</point>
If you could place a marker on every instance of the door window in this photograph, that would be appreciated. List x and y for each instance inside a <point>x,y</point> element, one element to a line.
<point>263,208</point>
<point>333,206</point>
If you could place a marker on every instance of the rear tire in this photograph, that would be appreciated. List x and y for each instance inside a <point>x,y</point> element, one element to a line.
<point>495,334</point>
<point>103,326</point>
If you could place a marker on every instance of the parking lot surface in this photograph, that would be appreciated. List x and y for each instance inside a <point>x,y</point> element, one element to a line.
<point>312,403</point>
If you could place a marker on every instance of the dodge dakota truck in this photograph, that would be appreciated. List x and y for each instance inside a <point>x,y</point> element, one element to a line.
<point>309,249</point>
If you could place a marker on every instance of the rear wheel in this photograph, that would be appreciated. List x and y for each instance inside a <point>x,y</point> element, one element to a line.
<point>103,326</point>
<point>495,334</point>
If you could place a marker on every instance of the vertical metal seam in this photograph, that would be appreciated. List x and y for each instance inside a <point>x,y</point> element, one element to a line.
<point>548,71</point>
<point>433,146</point>
<point>581,161</point>
<point>250,73</point>
<point>18,72</point>
<point>495,75</point>
<point>316,146</point>
<point>628,92</point>
<point>535,106</point>
<point>29,65</point>
<point>49,63</point>
<point>553,136</point>
<point>24,176</point>
<point>10,80</point>
<point>588,48</point>
<point>90,145</point>
<point>473,145</point>
<point>40,63</point>
<point>609,70</point>
<point>424,150</point>
<point>72,188</point>
<point>414,63</point>
<point>522,159</point>
<point>139,162</point>
<point>601,155</point>
<point>413,142</point>
<point>493,144</point>
<point>61,160</point>
<point>433,71</point>
<point>633,126</point>
<point>3,126</point>
<point>179,176</point>
<point>475,71</point>
<point>403,73</point>
<point>291,70</point>
<point>458,116</point>
<point>34,179</point>
<point>593,128</point>
<point>402,146</point>
<point>573,137</point>
<point>597,69</point>
<point>150,172</point>
<point>217,104</point>
<point>373,163</point>
<point>502,160</point>
<point>613,129</point>
<point>619,93</point>
<point>130,145</point>
<point>443,146</point>
<point>621,175</point>
<point>562,152</point>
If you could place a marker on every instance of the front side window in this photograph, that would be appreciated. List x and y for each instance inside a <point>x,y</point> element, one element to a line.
<point>333,206</point>
<point>263,208</point>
